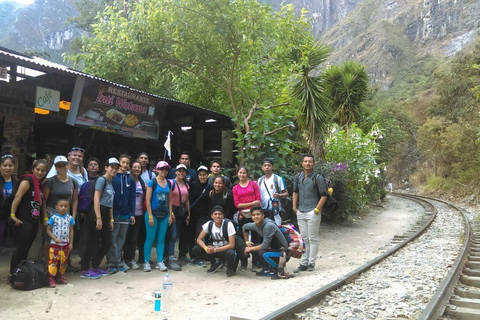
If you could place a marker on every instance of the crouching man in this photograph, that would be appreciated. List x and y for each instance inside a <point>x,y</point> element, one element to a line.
<point>272,252</point>
<point>222,245</point>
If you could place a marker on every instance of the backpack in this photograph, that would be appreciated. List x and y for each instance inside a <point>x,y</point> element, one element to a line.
<point>296,244</point>
<point>276,183</point>
<point>86,193</point>
<point>29,275</point>
<point>224,229</point>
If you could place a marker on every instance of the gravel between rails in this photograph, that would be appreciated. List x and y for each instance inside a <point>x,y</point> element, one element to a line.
<point>401,286</point>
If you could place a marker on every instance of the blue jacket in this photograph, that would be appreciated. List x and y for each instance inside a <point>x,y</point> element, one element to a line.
<point>124,200</point>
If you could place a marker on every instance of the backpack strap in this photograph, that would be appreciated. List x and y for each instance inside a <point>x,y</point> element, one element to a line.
<point>224,228</point>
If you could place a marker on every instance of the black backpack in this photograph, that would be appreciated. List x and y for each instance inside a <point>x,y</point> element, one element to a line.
<point>224,229</point>
<point>331,205</point>
<point>29,275</point>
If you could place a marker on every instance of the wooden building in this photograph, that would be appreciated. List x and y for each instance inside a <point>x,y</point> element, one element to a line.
<point>46,108</point>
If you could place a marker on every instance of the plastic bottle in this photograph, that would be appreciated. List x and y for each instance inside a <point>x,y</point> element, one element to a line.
<point>158,299</point>
<point>166,292</point>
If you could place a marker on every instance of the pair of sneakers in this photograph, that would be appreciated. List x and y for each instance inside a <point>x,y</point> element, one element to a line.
<point>173,264</point>
<point>91,274</point>
<point>160,266</point>
<point>301,267</point>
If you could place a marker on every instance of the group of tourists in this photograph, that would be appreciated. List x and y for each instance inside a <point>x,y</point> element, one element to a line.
<point>113,212</point>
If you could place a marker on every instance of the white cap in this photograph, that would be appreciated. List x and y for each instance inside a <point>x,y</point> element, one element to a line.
<point>113,161</point>
<point>181,166</point>
<point>60,159</point>
<point>202,168</point>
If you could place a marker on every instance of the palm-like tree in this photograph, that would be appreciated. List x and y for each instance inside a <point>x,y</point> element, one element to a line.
<point>309,89</point>
<point>347,87</point>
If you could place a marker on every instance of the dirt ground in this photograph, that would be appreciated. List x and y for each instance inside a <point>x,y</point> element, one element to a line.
<point>198,295</point>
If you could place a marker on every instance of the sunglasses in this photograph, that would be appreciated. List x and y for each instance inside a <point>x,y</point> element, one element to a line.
<point>78,149</point>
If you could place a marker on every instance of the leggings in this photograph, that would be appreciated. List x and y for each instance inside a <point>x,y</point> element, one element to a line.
<point>24,236</point>
<point>94,251</point>
<point>158,232</point>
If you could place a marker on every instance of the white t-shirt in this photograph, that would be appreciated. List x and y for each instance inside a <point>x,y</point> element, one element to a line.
<point>218,239</point>
<point>270,184</point>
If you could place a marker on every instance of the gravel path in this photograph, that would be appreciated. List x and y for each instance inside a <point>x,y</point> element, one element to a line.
<point>201,296</point>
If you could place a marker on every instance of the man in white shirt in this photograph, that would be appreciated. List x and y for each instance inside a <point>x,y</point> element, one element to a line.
<point>272,190</point>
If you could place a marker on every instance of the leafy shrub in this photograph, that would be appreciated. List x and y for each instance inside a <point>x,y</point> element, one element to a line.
<point>352,167</point>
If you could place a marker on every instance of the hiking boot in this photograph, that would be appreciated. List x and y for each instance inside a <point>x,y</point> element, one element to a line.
<point>161,266</point>
<point>215,266</point>
<point>90,274</point>
<point>133,265</point>
<point>311,267</point>
<point>100,272</point>
<point>51,282</point>
<point>146,267</point>
<point>60,280</point>
<point>230,272</point>
<point>173,264</point>
<point>300,268</point>
<point>112,270</point>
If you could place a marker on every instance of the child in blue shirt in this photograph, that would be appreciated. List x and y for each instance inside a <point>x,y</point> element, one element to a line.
<point>60,230</point>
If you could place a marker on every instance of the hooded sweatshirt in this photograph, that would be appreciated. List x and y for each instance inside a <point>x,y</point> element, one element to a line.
<point>125,192</point>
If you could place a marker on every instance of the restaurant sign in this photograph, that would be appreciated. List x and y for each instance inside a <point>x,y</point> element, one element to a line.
<point>117,110</point>
<point>48,99</point>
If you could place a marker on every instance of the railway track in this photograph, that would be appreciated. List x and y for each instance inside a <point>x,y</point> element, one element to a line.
<point>455,240</point>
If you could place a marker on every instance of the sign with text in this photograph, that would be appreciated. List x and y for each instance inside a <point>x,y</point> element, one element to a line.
<point>48,99</point>
<point>118,110</point>
<point>3,73</point>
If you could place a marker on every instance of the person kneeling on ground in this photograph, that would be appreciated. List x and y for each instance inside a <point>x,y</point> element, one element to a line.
<point>221,233</point>
<point>273,246</point>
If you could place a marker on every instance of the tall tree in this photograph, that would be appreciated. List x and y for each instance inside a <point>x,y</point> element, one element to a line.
<point>227,55</point>
<point>314,117</point>
<point>347,88</point>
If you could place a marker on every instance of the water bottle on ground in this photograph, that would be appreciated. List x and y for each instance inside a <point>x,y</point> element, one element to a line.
<point>166,293</point>
<point>158,300</point>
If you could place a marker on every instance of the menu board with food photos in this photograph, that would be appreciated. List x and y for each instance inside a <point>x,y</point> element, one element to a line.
<point>110,108</point>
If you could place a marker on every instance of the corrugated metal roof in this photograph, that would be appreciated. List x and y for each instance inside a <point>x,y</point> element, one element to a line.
<point>59,67</point>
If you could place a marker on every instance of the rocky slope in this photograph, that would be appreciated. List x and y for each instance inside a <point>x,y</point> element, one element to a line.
<point>392,34</point>
<point>40,27</point>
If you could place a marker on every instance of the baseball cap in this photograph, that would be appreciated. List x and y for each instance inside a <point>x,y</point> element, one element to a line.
<point>162,164</point>
<point>113,161</point>
<point>181,166</point>
<point>60,159</point>
<point>202,168</point>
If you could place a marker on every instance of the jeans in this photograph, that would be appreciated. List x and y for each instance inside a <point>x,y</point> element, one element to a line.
<point>173,233</point>
<point>119,235</point>
<point>158,232</point>
<point>309,224</point>
<point>94,252</point>
<point>24,236</point>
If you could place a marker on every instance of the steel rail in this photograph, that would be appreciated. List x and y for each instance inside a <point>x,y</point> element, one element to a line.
<point>436,307</point>
<point>314,297</point>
